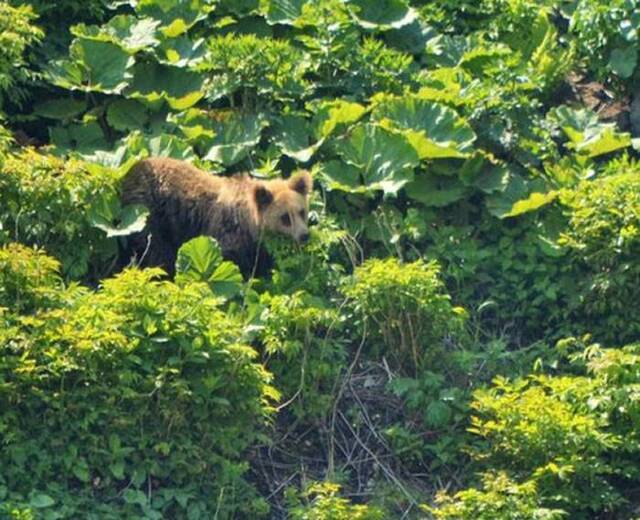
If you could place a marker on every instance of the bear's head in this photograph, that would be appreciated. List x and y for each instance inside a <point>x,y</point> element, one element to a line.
<point>283,205</point>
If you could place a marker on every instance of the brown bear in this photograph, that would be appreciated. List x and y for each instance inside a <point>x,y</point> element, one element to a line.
<point>185,202</point>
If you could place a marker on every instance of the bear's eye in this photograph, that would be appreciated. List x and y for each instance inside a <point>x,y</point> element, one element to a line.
<point>284,218</point>
<point>302,214</point>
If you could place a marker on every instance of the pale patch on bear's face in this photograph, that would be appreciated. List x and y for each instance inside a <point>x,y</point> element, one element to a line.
<point>283,206</point>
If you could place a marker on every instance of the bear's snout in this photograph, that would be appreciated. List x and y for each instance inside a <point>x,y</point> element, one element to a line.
<point>304,238</point>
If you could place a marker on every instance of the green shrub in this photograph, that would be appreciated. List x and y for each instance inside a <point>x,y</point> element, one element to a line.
<point>404,309</point>
<point>135,400</point>
<point>254,66</point>
<point>563,433</point>
<point>302,327</point>
<point>317,267</point>
<point>45,201</point>
<point>304,350</point>
<point>17,32</point>
<point>603,238</point>
<point>28,279</point>
<point>508,272</point>
<point>320,501</point>
<point>500,497</point>
<point>606,35</point>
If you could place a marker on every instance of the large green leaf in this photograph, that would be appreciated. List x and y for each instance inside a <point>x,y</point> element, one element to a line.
<point>623,61</point>
<point>175,17</point>
<point>93,66</point>
<point>605,140</point>
<point>127,114</point>
<point>485,173</point>
<point>181,51</point>
<point>105,65</point>
<point>200,259</point>
<point>107,214</point>
<point>196,125</point>
<point>235,136</point>
<point>332,114</point>
<point>382,14</point>
<point>336,175</point>
<point>469,52</point>
<point>282,11</point>
<point>502,203</point>
<point>434,130</point>
<point>60,108</point>
<point>532,203</point>
<point>386,160</point>
<point>82,137</point>
<point>40,501</point>
<point>294,137</point>
<point>445,85</point>
<point>165,145</point>
<point>436,190</point>
<point>411,38</point>
<point>130,33</point>
<point>588,137</point>
<point>153,82</point>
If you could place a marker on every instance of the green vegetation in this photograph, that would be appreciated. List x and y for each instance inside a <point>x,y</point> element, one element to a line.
<point>460,337</point>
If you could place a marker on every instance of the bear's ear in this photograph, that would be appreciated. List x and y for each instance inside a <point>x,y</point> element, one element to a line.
<point>263,197</point>
<point>301,182</point>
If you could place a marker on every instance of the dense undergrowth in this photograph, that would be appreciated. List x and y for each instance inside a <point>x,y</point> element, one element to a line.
<point>459,338</point>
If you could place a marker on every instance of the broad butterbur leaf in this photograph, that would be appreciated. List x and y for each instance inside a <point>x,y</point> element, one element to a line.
<point>127,31</point>
<point>175,18</point>
<point>127,114</point>
<point>386,160</point>
<point>107,214</point>
<point>337,175</point>
<point>533,202</point>
<point>181,51</point>
<point>60,108</point>
<point>294,137</point>
<point>200,259</point>
<point>153,82</point>
<point>282,11</point>
<point>93,66</point>
<point>333,114</point>
<point>434,130</point>
<point>623,61</point>
<point>41,500</point>
<point>382,14</point>
<point>82,137</point>
<point>500,204</point>
<point>589,138</point>
<point>436,190</point>
<point>235,136</point>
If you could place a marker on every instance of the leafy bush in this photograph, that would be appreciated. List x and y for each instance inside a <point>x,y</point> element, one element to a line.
<point>134,400</point>
<point>304,349</point>
<point>302,329</point>
<point>570,440</point>
<point>321,502</point>
<point>46,201</point>
<point>28,279</point>
<point>317,267</point>
<point>509,272</point>
<point>606,35</point>
<point>17,33</point>
<point>603,238</point>
<point>404,309</point>
<point>542,427</point>
<point>500,497</point>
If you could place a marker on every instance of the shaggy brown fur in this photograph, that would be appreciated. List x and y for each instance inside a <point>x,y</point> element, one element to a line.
<point>185,202</point>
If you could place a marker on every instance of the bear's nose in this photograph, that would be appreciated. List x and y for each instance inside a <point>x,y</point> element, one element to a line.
<point>304,238</point>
